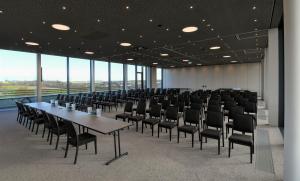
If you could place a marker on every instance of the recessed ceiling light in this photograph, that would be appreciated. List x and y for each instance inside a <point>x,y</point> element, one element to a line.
<point>30,43</point>
<point>123,29</point>
<point>190,29</point>
<point>141,36</point>
<point>191,7</point>
<point>63,7</point>
<point>226,56</point>
<point>255,20</point>
<point>127,7</point>
<point>125,44</point>
<point>155,63</point>
<point>60,27</point>
<point>22,39</point>
<point>199,64</point>
<point>44,22</point>
<point>233,61</point>
<point>208,25</point>
<point>254,7</point>
<point>30,32</point>
<point>190,62</point>
<point>212,29</point>
<point>1,11</point>
<point>185,60</point>
<point>179,36</point>
<point>89,53</point>
<point>75,31</point>
<point>167,29</point>
<point>164,54</point>
<point>203,20</point>
<point>172,66</point>
<point>150,20</point>
<point>130,59</point>
<point>98,20</point>
<point>59,38</point>
<point>215,47</point>
<point>255,29</point>
<point>154,41</point>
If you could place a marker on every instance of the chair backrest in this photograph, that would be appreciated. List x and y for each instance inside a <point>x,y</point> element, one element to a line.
<point>214,102</point>
<point>45,117</point>
<point>250,107</point>
<point>215,119</point>
<point>71,132</point>
<point>141,107</point>
<point>196,106</point>
<point>181,106</point>
<point>235,110</point>
<point>165,104</point>
<point>172,113</point>
<point>52,121</point>
<point>128,107</point>
<point>243,123</point>
<point>192,116</point>
<point>215,108</point>
<point>155,110</point>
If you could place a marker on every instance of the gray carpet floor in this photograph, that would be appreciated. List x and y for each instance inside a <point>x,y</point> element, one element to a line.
<point>26,156</point>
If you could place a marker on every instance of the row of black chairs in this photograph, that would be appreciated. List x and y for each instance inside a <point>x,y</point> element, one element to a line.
<point>55,126</point>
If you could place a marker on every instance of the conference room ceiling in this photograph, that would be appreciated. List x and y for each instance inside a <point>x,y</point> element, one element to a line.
<point>153,27</point>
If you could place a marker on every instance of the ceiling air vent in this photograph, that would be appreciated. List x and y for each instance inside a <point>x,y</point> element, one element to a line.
<point>252,35</point>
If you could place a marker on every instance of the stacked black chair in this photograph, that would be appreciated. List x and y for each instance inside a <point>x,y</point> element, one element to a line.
<point>191,124</point>
<point>154,118</point>
<point>213,120</point>
<point>77,140</point>
<point>171,120</point>
<point>242,124</point>
<point>140,113</point>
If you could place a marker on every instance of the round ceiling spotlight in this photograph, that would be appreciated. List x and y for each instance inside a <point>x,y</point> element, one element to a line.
<point>233,61</point>
<point>125,44</point>
<point>199,64</point>
<point>190,62</point>
<point>185,60</point>
<point>164,54</point>
<point>155,63</point>
<point>190,29</point>
<point>89,53</point>
<point>60,27</point>
<point>129,59</point>
<point>226,56</point>
<point>215,47</point>
<point>30,43</point>
<point>172,66</point>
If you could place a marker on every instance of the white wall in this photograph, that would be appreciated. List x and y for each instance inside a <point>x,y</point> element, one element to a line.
<point>244,76</point>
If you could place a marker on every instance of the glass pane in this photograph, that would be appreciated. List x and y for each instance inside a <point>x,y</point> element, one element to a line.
<point>139,68</point>
<point>144,77</point>
<point>79,75</point>
<point>158,78</point>
<point>116,76</point>
<point>17,76</point>
<point>54,76</point>
<point>130,76</point>
<point>101,76</point>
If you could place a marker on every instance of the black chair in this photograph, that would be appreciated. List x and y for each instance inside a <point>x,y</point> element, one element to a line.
<point>37,119</point>
<point>153,101</point>
<point>56,127</point>
<point>213,120</point>
<point>140,114</point>
<point>77,140</point>
<point>251,109</point>
<point>155,117</point>
<point>171,120</point>
<point>191,124</point>
<point>244,124</point>
<point>127,111</point>
<point>232,112</point>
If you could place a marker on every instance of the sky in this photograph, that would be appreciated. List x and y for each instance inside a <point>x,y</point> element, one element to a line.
<point>21,66</point>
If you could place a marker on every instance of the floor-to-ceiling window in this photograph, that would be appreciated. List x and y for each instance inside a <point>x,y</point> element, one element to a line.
<point>158,78</point>
<point>54,75</point>
<point>139,71</point>
<point>17,76</point>
<point>101,76</point>
<point>79,75</point>
<point>116,74</point>
<point>145,77</point>
<point>130,76</point>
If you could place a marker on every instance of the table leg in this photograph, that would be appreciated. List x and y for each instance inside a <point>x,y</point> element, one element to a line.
<point>119,155</point>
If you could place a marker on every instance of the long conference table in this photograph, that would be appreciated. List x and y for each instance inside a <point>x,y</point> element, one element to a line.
<point>101,124</point>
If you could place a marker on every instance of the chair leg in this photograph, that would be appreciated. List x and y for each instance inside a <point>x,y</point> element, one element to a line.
<point>32,126</point>
<point>178,136</point>
<point>76,154</point>
<point>51,136</point>
<point>57,142</point>
<point>192,140</point>
<point>67,148</point>
<point>229,149</point>
<point>152,129</point>
<point>142,127</point>
<point>44,130</point>
<point>37,129</point>
<point>201,141</point>
<point>251,154</point>
<point>95,145</point>
<point>48,135</point>
<point>170,134</point>
<point>219,146</point>
<point>158,131</point>
<point>223,139</point>
<point>137,126</point>
<point>227,130</point>
<point>86,146</point>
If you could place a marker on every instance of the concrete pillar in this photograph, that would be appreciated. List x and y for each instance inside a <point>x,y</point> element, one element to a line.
<point>291,90</point>
<point>271,76</point>
<point>39,78</point>
<point>153,77</point>
<point>92,76</point>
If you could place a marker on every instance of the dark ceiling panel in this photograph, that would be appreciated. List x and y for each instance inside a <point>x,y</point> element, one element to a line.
<point>152,27</point>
